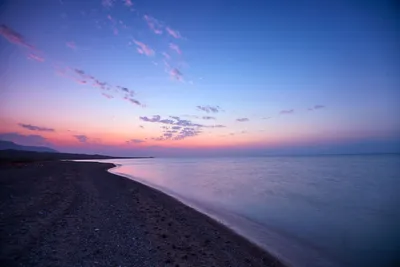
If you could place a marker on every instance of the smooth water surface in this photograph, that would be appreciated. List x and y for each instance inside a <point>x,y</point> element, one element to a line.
<point>310,211</point>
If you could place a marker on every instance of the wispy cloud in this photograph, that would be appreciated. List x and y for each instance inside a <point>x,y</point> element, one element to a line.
<point>266,118</point>
<point>107,95</point>
<point>208,118</point>
<point>217,126</point>
<point>71,45</point>
<point>107,3</point>
<point>173,33</point>
<point>155,118</point>
<point>176,74</point>
<point>181,134</point>
<point>242,119</point>
<point>133,101</point>
<point>143,48</point>
<point>166,55</point>
<point>187,132</point>
<point>126,90</point>
<point>128,2</point>
<point>84,78</point>
<point>175,48</point>
<point>176,122</point>
<point>318,107</point>
<point>36,128</point>
<point>135,141</point>
<point>82,138</point>
<point>14,37</point>
<point>286,111</point>
<point>36,58</point>
<point>208,109</point>
<point>155,25</point>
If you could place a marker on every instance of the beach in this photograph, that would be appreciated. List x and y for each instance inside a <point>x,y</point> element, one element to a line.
<point>77,214</point>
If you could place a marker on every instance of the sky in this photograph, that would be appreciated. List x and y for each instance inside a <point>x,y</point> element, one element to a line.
<point>156,77</point>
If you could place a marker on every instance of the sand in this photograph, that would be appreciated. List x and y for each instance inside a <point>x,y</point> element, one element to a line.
<point>78,214</point>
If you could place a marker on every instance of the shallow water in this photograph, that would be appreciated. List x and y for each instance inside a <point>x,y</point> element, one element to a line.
<point>309,211</point>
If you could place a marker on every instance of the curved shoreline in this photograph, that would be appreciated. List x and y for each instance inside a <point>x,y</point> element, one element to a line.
<point>288,250</point>
<point>74,213</point>
<point>195,208</point>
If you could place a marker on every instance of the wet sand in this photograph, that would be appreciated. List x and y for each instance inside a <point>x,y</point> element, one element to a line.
<point>78,214</point>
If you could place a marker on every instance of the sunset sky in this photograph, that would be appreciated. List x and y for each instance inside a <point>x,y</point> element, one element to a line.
<point>163,77</point>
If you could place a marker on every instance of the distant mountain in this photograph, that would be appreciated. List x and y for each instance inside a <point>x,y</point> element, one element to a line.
<point>10,145</point>
<point>11,155</point>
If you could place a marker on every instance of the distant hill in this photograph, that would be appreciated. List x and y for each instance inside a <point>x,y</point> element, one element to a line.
<point>11,155</point>
<point>11,145</point>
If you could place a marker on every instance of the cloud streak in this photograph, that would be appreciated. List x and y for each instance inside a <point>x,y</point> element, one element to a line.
<point>208,118</point>
<point>316,107</point>
<point>176,74</point>
<point>14,37</point>
<point>133,101</point>
<point>154,25</point>
<point>286,111</point>
<point>107,3</point>
<point>143,48</point>
<point>242,119</point>
<point>209,109</point>
<point>176,122</point>
<point>71,45</point>
<point>173,33</point>
<point>175,48</point>
<point>35,58</point>
<point>128,3</point>
<point>135,141</point>
<point>36,128</point>
<point>166,55</point>
<point>107,96</point>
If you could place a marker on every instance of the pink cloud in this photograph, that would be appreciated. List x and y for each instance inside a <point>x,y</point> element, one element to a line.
<point>153,24</point>
<point>115,31</point>
<point>71,45</point>
<point>128,3</point>
<point>173,33</point>
<point>110,18</point>
<point>166,55</point>
<point>35,57</point>
<point>143,48</point>
<point>176,74</point>
<point>14,37</point>
<point>175,48</point>
<point>107,3</point>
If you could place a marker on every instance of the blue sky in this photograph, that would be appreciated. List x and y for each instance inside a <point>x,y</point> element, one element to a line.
<point>270,62</point>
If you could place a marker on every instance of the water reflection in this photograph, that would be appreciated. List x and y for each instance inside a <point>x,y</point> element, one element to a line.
<point>329,208</point>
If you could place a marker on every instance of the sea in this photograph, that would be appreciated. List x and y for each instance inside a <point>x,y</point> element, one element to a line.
<point>309,211</point>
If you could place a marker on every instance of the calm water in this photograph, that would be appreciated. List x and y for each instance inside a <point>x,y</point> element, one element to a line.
<point>310,211</point>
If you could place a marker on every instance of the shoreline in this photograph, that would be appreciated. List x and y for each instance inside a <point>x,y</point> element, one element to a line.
<point>198,208</point>
<point>64,213</point>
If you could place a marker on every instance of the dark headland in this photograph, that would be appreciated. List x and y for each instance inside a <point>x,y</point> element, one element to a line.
<point>14,156</point>
<point>63,213</point>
